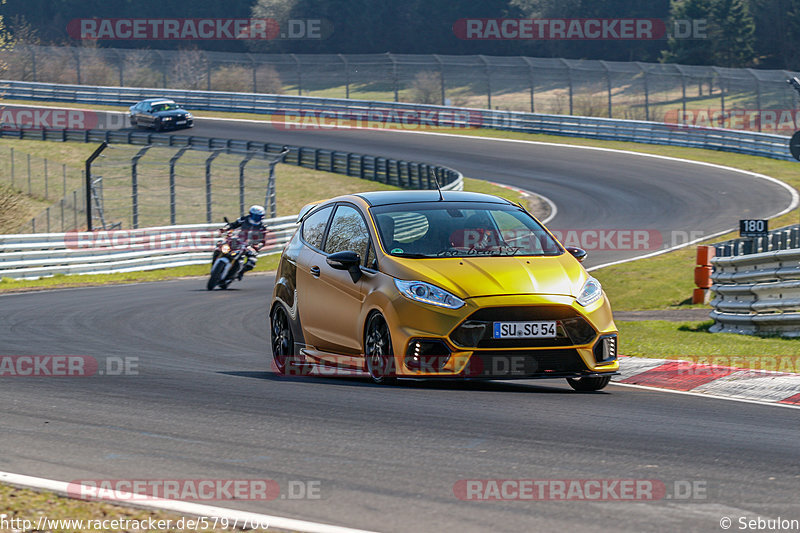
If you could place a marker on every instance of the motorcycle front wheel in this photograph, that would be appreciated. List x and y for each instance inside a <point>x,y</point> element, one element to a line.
<point>216,273</point>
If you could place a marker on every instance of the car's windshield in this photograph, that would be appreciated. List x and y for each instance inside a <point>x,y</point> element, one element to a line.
<point>164,107</point>
<point>461,229</point>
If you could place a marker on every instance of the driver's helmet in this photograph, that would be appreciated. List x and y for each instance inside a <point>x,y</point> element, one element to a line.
<point>256,214</point>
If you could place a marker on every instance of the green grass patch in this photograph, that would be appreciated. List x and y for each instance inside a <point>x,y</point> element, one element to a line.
<point>692,340</point>
<point>20,504</point>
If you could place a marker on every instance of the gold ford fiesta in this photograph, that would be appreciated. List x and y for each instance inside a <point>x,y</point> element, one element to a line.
<point>429,285</point>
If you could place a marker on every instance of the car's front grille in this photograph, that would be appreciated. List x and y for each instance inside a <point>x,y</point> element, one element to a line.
<point>477,330</point>
<point>532,363</point>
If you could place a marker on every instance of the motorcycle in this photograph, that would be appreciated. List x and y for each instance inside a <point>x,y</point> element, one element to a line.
<point>230,256</point>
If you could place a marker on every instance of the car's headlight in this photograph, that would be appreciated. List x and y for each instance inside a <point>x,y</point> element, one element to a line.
<point>167,118</point>
<point>189,115</point>
<point>426,293</point>
<point>590,292</point>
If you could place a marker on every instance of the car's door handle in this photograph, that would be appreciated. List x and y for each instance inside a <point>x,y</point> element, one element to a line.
<point>315,271</point>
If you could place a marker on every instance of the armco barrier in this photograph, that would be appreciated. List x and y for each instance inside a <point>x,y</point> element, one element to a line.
<point>406,174</point>
<point>101,252</point>
<point>745,142</point>
<point>757,293</point>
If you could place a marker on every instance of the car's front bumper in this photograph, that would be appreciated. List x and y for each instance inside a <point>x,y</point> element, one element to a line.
<point>429,342</point>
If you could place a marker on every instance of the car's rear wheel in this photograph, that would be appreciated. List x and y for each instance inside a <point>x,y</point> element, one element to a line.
<point>588,384</point>
<point>378,349</point>
<point>282,340</point>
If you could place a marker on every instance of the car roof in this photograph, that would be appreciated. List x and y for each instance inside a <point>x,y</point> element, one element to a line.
<point>376,198</point>
<point>158,101</point>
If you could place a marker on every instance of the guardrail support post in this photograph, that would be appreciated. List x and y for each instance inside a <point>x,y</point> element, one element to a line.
<point>88,184</point>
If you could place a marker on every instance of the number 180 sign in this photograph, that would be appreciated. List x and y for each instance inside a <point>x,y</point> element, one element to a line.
<point>753,228</point>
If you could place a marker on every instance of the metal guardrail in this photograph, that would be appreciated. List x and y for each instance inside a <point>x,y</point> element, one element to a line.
<point>744,142</point>
<point>757,293</point>
<point>778,239</point>
<point>30,256</point>
<point>406,174</point>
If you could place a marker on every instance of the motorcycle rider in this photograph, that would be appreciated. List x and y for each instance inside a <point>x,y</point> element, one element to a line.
<point>252,233</point>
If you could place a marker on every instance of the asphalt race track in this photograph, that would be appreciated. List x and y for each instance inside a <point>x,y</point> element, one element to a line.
<point>202,402</point>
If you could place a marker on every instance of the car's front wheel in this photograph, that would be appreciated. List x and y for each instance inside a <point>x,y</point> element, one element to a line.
<point>588,384</point>
<point>378,349</point>
<point>133,121</point>
<point>282,340</point>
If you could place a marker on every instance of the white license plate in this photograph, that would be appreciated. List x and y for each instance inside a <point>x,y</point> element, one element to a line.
<point>516,330</point>
<point>181,122</point>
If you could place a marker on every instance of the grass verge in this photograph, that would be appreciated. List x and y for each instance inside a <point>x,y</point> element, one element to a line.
<point>18,505</point>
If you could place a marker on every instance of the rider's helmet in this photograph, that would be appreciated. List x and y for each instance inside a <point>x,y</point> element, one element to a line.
<point>256,214</point>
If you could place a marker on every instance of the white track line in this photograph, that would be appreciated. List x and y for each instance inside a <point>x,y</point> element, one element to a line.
<point>190,508</point>
<point>703,395</point>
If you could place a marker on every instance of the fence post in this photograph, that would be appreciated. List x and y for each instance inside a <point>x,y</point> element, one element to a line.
<point>487,70</point>
<point>646,92</point>
<point>75,210</point>
<point>299,75</point>
<point>758,94</point>
<point>441,76</point>
<point>46,188</point>
<point>608,85</point>
<point>242,164</point>
<point>64,180</point>
<point>209,160</point>
<point>172,161</point>
<point>394,76</point>
<point>62,215</point>
<point>12,167</point>
<point>29,175</point>
<point>346,76</point>
<point>134,187</point>
<point>569,76</point>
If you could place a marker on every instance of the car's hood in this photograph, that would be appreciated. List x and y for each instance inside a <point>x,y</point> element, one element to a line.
<point>468,277</point>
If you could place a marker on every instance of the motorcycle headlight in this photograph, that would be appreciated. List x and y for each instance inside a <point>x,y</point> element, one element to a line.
<point>420,291</point>
<point>590,292</point>
<point>225,248</point>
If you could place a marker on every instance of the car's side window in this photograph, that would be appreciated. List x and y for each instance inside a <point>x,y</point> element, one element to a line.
<point>314,227</point>
<point>348,232</point>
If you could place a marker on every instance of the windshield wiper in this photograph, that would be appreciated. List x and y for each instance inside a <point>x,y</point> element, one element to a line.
<point>412,256</point>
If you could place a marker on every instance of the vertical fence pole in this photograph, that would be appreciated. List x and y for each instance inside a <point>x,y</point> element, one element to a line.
<point>299,74</point>
<point>242,164</point>
<point>488,73</point>
<point>135,186</point>
<point>46,188</point>
<point>346,76</point>
<point>62,214</point>
<point>608,86</point>
<point>29,174</point>
<point>394,77</point>
<point>12,168</point>
<point>209,160</point>
<point>88,184</point>
<point>64,180</point>
<point>47,211</point>
<point>75,210</point>
<point>172,161</point>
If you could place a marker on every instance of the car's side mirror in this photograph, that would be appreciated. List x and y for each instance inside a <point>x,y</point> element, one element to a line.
<point>346,260</point>
<point>578,253</point>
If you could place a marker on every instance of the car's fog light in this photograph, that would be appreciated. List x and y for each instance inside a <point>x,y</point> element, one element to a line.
<point>605,349</point>
<point>426,355</point>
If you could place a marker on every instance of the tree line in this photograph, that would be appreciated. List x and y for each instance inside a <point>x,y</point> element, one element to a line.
<point>728,33</point>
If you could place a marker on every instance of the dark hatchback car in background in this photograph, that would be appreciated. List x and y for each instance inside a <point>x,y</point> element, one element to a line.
<point>160,114</point>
